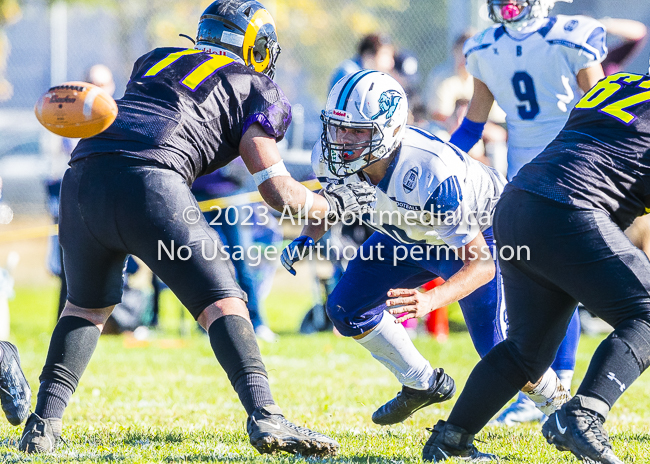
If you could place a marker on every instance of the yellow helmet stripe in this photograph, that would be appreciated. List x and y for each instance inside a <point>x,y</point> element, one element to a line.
<point>259,19</point>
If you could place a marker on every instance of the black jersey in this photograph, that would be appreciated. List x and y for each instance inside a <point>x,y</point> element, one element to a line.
<point>187,109</point>
<point>601,158</point>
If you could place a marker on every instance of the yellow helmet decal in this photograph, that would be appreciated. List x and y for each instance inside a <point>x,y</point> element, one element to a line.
<point>259,19</point>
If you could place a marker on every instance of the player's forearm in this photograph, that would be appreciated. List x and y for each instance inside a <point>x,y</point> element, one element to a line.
<point>315,229</point>
<point>285,194</point>
<point>472,275</point>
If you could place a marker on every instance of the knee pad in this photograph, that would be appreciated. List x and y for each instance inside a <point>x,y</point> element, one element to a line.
<point>635,334</point>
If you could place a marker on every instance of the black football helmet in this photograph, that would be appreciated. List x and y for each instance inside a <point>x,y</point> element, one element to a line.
<point>242,27</point>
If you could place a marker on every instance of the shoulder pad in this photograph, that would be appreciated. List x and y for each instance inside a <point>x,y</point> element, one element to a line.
<point>576,29</point>
<point>579,32</point>
<point>483,39</point>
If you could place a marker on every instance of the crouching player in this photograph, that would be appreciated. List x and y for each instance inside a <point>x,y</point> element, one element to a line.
<point>433,217</point>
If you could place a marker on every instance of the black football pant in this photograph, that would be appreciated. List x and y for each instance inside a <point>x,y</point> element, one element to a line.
<point>560,255</point>
<point>113,206</point>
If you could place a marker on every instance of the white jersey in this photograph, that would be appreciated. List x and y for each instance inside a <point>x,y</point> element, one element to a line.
<point>533,76</point>
<point>432,192</point>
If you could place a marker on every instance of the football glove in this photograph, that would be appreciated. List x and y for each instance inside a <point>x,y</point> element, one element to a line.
<point>353,198</point>
<point>295,251</point>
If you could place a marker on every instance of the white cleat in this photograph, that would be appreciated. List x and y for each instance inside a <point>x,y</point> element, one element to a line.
<point>521,411</point>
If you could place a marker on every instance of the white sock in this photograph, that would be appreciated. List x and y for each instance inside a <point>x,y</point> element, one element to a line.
<point>390,344</point>
<point>549,395</point>
<point>566,377</point>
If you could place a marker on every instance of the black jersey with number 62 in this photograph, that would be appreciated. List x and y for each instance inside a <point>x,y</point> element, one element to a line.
<point>188,110</point>
<point>601,158</point>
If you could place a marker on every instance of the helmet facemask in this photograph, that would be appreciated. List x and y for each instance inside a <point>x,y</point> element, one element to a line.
<point>510,11</point>
<point>518,14</point>
<point>342,158</point>
<point>264,53</point>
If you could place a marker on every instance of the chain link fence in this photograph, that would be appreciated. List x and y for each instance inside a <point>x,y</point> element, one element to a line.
<point>43,42</point>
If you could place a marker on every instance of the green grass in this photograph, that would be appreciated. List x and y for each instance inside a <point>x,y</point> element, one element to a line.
<point>167,399</point>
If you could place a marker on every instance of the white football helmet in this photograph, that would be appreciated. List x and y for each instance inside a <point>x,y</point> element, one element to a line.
<point>518,13</point>
<point>363,100</point>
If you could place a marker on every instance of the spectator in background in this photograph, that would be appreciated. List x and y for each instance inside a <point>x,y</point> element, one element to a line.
<point>229,223</point>
<point>375,51</point>
<point>406,72</point>
<point>10,12</point>
<point>445,86</point>
<point>101,76</point>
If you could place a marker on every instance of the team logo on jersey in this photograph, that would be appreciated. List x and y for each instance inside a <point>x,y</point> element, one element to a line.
<point>410,179</point>
<point>388,102</point>
<point>571,25</point>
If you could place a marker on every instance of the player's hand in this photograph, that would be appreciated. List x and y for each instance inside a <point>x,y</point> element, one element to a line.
<point>295,251</point>
<point>409,303</point>
<point>353,198</point>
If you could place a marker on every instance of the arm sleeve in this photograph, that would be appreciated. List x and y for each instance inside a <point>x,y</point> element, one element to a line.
<point>269,107</point>
<point>467,134</point>
<point>472,65</point>
<point>593,50</point>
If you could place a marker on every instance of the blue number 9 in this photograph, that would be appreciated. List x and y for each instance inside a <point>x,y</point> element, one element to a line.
<point>524,89</point>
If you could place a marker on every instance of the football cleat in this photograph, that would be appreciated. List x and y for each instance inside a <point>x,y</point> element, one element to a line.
<point>579,430</point>
<point>409,400</point>
<point>448,441</point>
<point>270,432</point>
<point>15,394</point>
<point>40,435</point>
<point>521,411</point>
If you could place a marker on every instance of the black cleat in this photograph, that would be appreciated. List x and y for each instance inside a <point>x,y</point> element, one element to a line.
<point>448,441</point>
<point>410,400</point>
<point>579,430</point>
<point>270,432</point>
<point>40,435</point>
<point>15,394</point>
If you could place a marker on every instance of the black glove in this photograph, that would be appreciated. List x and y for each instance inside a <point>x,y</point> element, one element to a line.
<point>349,198</point>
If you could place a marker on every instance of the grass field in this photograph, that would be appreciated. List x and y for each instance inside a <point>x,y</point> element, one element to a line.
<point>167,400</point>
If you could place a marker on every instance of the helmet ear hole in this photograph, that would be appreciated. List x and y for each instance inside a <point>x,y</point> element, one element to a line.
<point>260,50</point>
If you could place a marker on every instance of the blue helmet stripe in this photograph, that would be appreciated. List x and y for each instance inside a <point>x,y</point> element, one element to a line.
<point>348,87</point>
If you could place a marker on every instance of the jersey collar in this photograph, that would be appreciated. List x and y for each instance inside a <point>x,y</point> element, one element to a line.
<point>385,182</point>
<point>220,51</point>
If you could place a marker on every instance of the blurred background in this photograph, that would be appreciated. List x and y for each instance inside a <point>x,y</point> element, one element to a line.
<point>44,43</point>
<point>48,42</point>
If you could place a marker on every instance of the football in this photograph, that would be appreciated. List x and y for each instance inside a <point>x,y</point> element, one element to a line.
<point>76,110</point>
